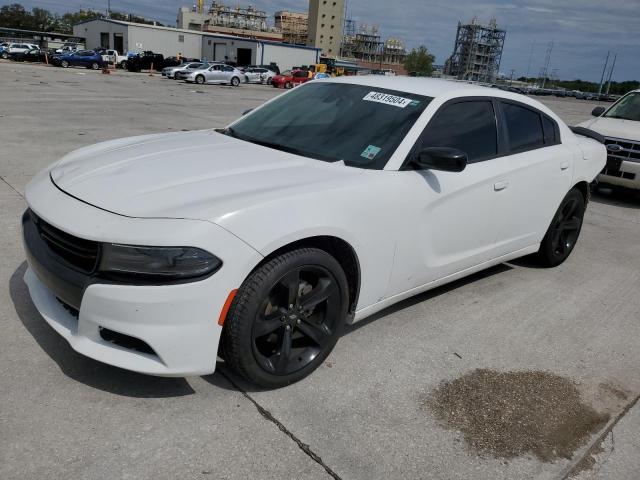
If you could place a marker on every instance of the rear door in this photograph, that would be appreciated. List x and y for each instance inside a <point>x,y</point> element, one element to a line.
<point>539,170</point>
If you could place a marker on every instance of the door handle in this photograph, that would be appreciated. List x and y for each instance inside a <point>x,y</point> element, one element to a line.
<point>564,165</point>
<point>500,185</point>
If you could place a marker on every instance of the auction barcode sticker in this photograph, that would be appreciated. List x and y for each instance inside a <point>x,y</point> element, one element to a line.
<point>387,99</point>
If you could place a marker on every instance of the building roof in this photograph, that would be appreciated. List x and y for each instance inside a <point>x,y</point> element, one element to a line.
<point>195,32</point>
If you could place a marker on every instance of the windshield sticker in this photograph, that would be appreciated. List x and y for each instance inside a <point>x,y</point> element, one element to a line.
<point>414,103</point>
<point>370,152</point>
<point>387,99</point>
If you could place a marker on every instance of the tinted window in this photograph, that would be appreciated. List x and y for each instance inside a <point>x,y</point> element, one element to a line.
<point>335,122</point>
<point>228,69</point>
<point>549,131</point>
<point>524,127</point>
<point>301,74</point>
<point>467,126</point>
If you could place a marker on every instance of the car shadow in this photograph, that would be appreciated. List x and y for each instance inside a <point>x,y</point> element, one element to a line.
<point>83,369</point>
<point>423,297</point>
<point>618,198</point>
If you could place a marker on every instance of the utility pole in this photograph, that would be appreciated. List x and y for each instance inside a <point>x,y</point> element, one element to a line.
<point>108,8</point>
<point>606,62</point>
<point>547,61</point>
<point>511,79</point>
<point>611,73</point>
<point>533,45</point>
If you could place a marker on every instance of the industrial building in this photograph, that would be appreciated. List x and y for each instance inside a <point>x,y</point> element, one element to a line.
<point>368,49</point>
<point>325,25</point>
<point>241,22</point>
<point>294,26</point>
<point>135,37</point>
<point>477,52</point>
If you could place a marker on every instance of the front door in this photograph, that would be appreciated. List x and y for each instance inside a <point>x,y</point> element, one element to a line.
<point>453,214</point>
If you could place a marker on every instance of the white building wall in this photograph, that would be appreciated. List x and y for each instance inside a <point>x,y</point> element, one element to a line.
<point>287,57</point>
<point>224,49</point>
<point>91,32</point>
<point>168,42</point>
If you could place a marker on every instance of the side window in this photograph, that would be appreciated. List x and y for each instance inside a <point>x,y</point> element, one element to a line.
<point>468,126</point>
<point>524,127</point>
<point>550,134</point>
<point>227,68</point>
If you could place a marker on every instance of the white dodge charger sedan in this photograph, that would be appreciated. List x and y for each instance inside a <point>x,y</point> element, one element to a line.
<point>261,241</point>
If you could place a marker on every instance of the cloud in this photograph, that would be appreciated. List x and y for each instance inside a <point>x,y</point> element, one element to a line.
<point>582,30</point>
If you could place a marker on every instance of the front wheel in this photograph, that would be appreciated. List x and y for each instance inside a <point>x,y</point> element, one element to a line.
<point>95,66</point>
<point>563,233</point>
<point>288,85</point>
<point>64,64</point>
<point>286,318</point>
<point>235,81</point>
<point>200,79</point>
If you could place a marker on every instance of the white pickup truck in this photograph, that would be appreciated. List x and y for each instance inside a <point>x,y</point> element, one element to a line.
<point>113,56</point>
<point>620,126</point>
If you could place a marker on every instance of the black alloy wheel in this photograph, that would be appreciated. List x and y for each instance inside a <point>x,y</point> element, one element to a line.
<point>286,318</point>
<point>562,235</point>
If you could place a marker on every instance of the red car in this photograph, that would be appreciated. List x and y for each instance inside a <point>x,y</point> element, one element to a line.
<point>290,78</point>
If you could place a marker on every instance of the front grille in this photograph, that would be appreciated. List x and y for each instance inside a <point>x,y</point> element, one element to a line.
<point>629,152</point>
<point>79,253</point>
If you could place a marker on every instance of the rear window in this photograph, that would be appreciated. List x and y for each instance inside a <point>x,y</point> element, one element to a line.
<point>524,128</point>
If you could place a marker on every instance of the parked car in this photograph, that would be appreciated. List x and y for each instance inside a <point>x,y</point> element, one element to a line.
<point>290,78</point>
<point>33,55</point>
<point>16,48</point>
<point>81,58</point>
<point>216,73</point>
<point>620,125</point>
<point>258,75</point>
<point>145,61</point>
<point>297,219</point>
<point>184,68</point>
<point>69,47</point>
<point>113,56</point>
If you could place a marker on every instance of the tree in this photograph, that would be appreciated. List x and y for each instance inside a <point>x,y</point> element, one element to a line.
<point>419,62</point>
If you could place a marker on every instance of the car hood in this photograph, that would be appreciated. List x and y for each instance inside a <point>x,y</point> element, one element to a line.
<point>200,175</point>
<point>614,127</point>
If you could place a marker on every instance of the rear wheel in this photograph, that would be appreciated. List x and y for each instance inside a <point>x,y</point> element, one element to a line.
<point>288,85</point>
<point>563,233</point>
<point>200,79</point>
<point>235,81</point>
<point>286,318</point>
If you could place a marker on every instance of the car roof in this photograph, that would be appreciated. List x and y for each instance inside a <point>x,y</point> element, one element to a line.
<point>436,87</point>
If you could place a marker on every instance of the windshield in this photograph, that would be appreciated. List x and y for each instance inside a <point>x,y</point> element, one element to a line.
<point>358,124</point>
<point>627,108</point>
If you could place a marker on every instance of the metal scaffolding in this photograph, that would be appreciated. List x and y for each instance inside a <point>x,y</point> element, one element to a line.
<point>367,45</point>
<point>477,52</point>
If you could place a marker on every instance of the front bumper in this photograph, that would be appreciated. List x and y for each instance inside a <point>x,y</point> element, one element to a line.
<point>178,323</point>
<point>628,175</point>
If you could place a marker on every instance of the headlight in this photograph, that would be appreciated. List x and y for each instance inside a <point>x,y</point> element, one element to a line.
<point>157,263</point>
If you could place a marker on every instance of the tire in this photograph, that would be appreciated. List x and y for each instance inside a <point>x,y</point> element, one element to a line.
<point>235,81</point>
<point>95,66</point>
<point>5,55</point>
<point>64,64</point>
<point>277,330</point>
<point>288,85</point>
<point>123,64</point>
<point>563,233</point>
<point>200,79</point>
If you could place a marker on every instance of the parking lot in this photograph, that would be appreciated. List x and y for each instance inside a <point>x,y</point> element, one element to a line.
<point>365,414</point>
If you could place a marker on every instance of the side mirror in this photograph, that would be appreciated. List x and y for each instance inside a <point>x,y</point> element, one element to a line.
<point>596,112</point>
<point>441,158</point>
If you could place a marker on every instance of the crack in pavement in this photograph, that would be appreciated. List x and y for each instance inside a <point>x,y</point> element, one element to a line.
<point>269,416</point>
<point>11,187</point>
<point>574,467</point>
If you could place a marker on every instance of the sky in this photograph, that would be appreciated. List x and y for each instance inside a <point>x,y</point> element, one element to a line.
<point>582,31</point>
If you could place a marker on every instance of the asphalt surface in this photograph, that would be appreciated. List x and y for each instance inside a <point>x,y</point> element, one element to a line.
<point>362,415</point>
